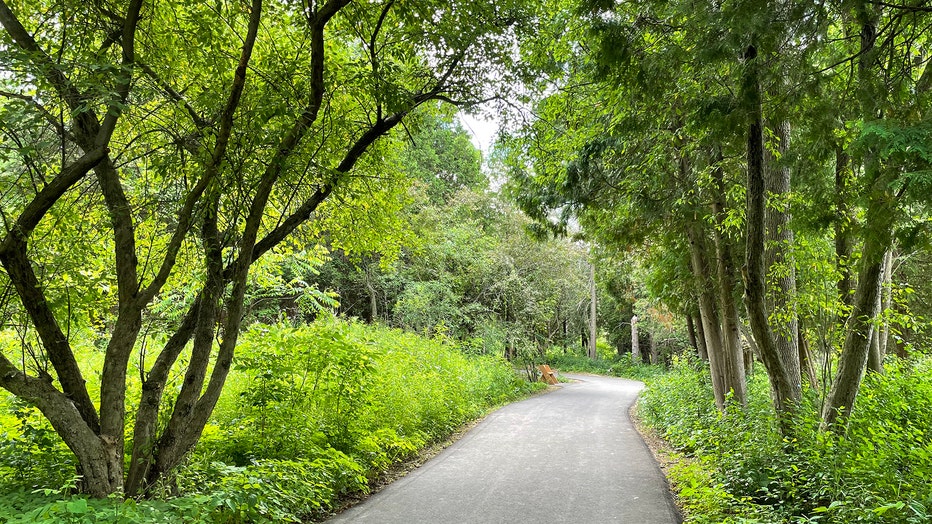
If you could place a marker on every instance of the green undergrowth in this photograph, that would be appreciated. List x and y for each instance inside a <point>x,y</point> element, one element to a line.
<point>310,414</point>
<point>736,467</point>
<point>617,366</point>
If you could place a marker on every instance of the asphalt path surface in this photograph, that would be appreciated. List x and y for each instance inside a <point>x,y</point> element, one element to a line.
<point>570,456</point>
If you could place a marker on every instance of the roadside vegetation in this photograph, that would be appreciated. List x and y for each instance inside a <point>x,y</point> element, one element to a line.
<point>250,258</point>
<point>608,363</point>
<point>736,466</point>
<point>310,414</point>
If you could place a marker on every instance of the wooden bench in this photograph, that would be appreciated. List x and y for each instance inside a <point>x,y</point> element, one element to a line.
<point>547,375</point>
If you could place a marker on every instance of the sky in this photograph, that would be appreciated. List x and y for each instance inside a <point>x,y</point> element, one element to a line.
<point>481,129</point>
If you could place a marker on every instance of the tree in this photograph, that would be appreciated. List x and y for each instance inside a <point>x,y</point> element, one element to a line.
<point>682,98</point>
<point>201,137</point>
<point>639,169</point>
<point>441,155</point>
<point>893,164</point>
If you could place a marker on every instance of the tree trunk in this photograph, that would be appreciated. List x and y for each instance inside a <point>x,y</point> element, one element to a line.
<point>654,349</point>
<point>887,307</point>
<point>373,298</point>
<point>700,339</point>
<point>851,363</point>
<point>780,265</point>
<point>635,346</point>
<point>98,479</point>
<point>733,357</point>
<point>593,353</point>
<point>874,357</point>
<point>565,338</point>
<point>844,219</point>
<point>807,359</point>
<point>691,332</point>
<point>901,343</point>
<point>708,310</point>
<point>751,342</point>
<point>786,391</point>
<point>876,236</point>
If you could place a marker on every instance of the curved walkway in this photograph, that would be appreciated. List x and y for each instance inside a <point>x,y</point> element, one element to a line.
<point>570,456</point>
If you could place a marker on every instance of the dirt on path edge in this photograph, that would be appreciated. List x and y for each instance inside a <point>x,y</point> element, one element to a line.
<point>663,452</point>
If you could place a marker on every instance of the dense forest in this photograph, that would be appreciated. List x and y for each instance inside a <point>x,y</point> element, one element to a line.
<point>251,259</point>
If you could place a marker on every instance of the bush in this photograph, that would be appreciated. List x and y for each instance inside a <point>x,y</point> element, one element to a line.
<point>878,472</point>
<point>22,507</point>
<point>343,397</point>
<point>618,366</point>
<point>309,414</point>
<point>31,453</point>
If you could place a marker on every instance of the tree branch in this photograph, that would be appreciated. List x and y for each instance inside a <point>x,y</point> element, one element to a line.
<point>124,76</point>
<point>213,168</point>
<point>172,93</point>
<point>84,117</point>
<point>49,117</point>
<point>16,263</point>
<point>910,8</point>
<point>66,416</point>
<point>48,196</point>
<point>14,258</point>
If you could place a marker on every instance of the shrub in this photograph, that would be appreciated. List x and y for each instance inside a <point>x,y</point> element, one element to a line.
<point>618,366</point>
<point>52,508</point>
<point>877,472</point>
<point>31,453</point>
<point>309,414</point>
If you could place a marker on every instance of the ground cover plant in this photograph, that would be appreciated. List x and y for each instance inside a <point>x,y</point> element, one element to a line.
<point>311,413</point>
<point>737,467</point>
<point>607,364</point>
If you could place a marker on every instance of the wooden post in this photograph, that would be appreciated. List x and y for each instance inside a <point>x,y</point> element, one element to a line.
<point>654,350</point>
<point>635,348</point>
<point>592,304</point>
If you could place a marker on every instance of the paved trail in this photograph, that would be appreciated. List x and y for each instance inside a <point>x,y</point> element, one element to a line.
<point>569,456</point>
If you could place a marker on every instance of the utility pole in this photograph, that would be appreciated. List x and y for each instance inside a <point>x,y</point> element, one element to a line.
<point>592,329</point>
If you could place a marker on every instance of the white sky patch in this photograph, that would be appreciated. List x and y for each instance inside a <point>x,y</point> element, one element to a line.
<point>482,130</point>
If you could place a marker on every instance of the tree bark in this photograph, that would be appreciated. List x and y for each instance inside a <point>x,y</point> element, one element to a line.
<point>708,310</point>
<point>654,349</point>
<point>900,343</point>
<point>701,339</point>
<point>691,332</point>
<point>887,291</point>
<point>733,357</point>
<point>751,342</point>
<point>635,345</point>
<point>878,223</point>
<point>874,356</point>
<point>780,265</point>
<point>593,353</point>
<point>786,392</point>
<point>373,297</point>
<point>806,359</point>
